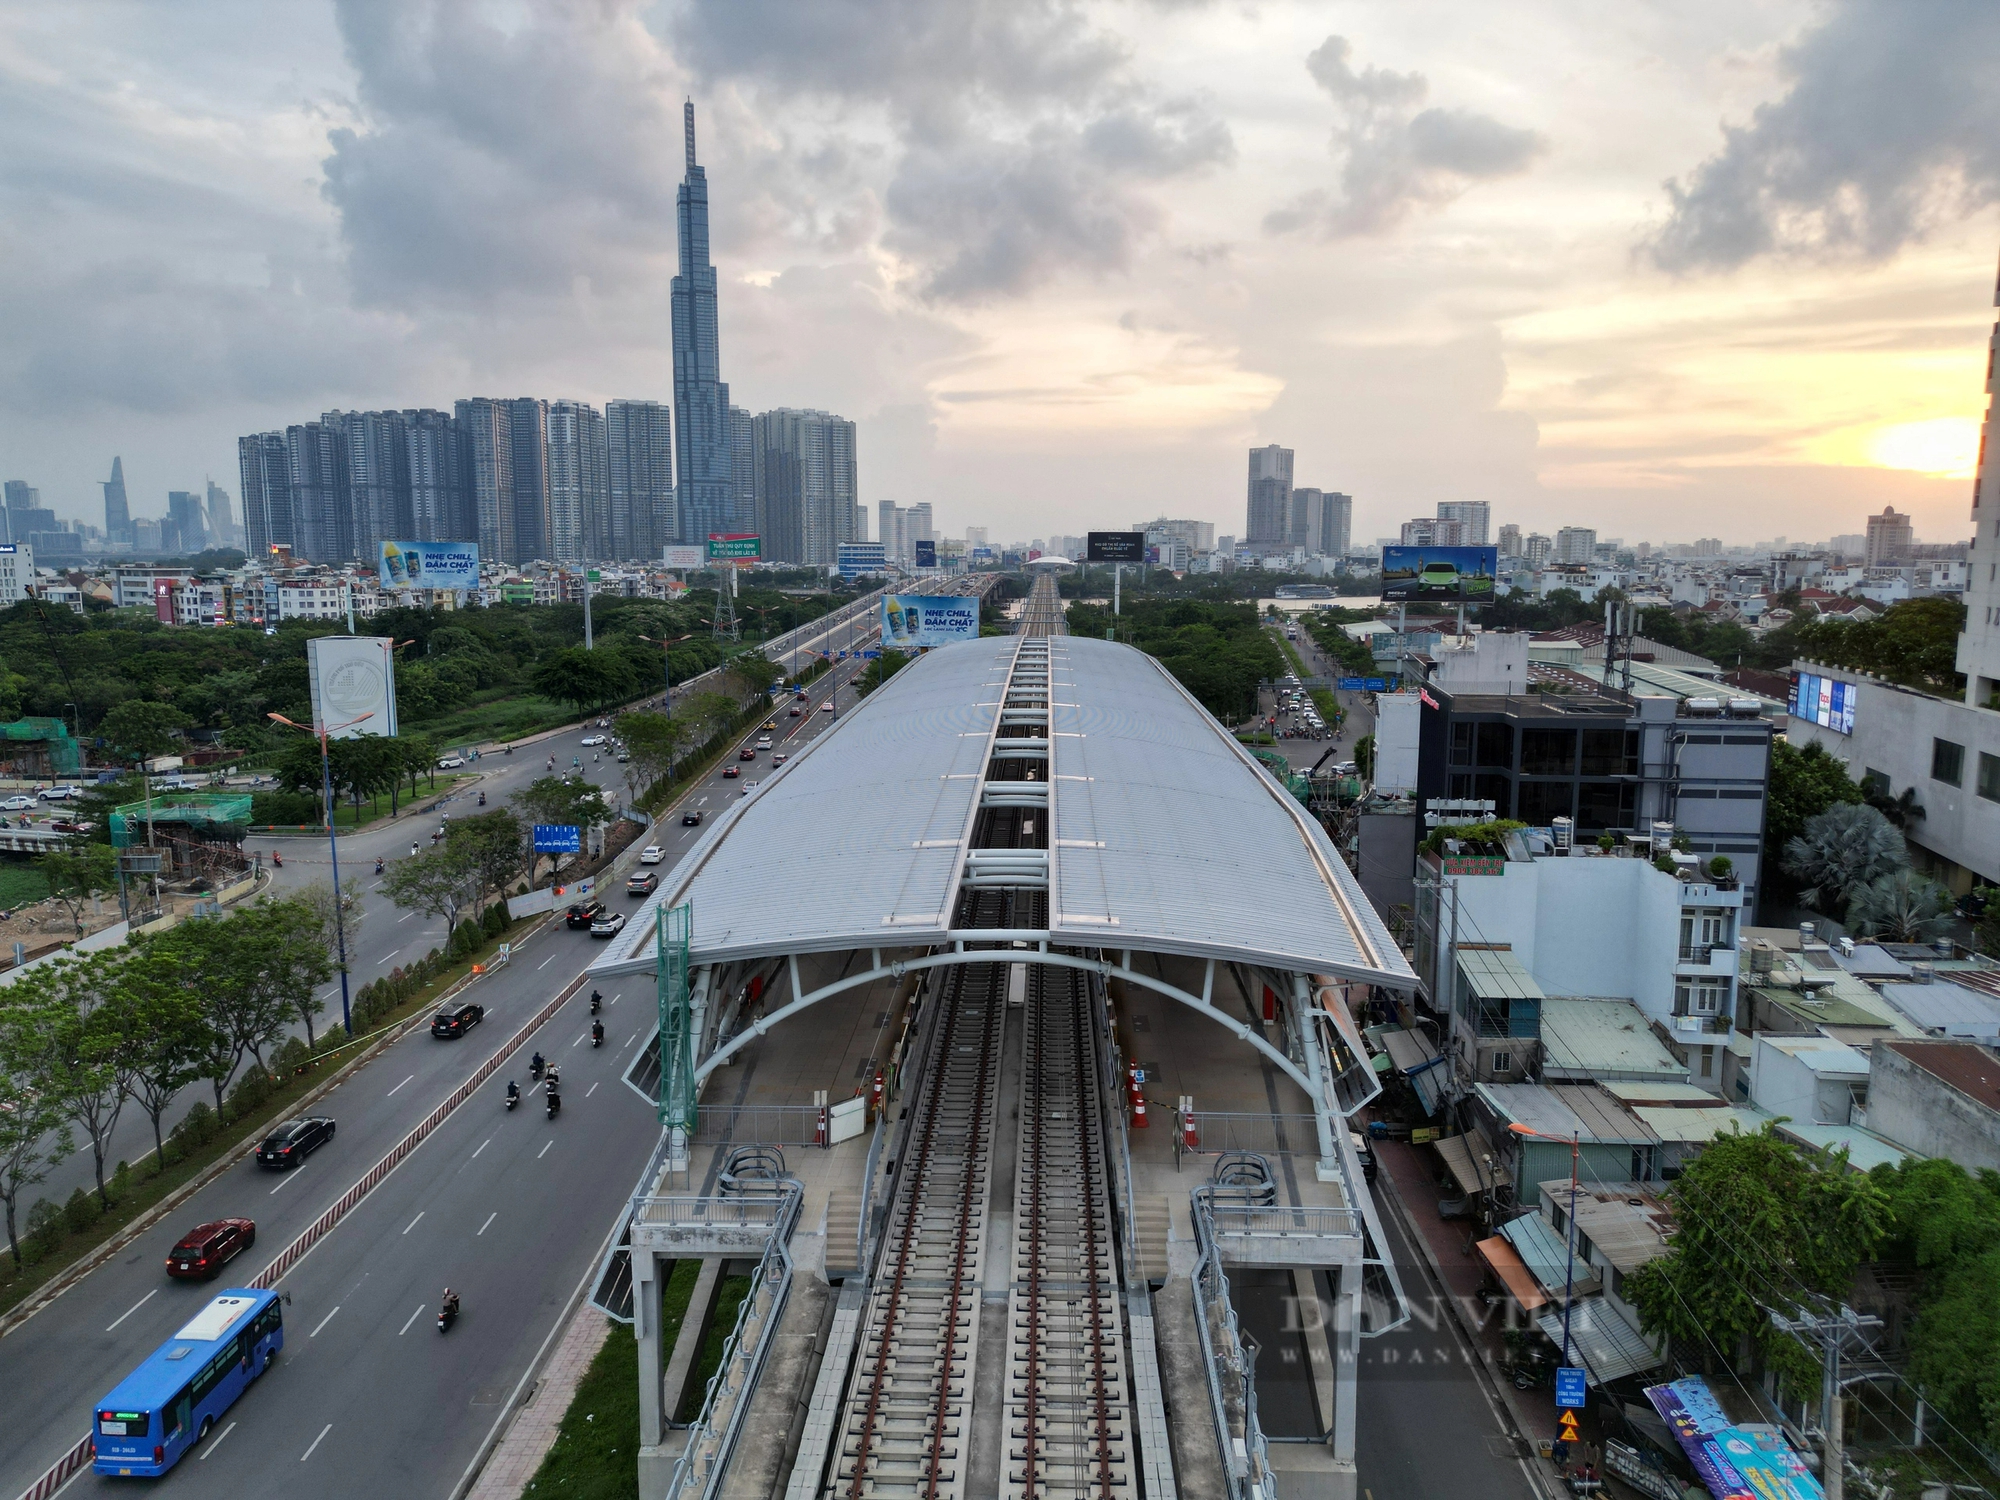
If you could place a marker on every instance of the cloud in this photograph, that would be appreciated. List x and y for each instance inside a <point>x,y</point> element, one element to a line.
<point>1887,132</point>
<point>1396,158</point>
<point>1023,143</point>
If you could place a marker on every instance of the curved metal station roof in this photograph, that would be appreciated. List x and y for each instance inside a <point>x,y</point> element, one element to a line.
<point>1166,835</point>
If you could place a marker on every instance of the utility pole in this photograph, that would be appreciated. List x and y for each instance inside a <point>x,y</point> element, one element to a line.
<point>1836,1334</point>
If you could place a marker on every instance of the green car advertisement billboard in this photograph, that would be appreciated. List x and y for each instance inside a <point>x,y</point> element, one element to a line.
<point>1442,573</point>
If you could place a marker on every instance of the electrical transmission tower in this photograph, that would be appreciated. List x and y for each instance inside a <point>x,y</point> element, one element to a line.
<point>1835,1334</point>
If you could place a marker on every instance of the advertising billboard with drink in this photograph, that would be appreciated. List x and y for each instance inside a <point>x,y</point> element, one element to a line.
<point>912,622</point>
<point>430,565</point>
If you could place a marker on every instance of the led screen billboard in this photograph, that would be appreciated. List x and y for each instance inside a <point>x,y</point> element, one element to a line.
<point>430,565</point>
<point>1823,701</point>
<point>911,621</point>
<point>926,554</point>
<point>1443,573</point>
<point>735,547</point>
<point>1115,546</point>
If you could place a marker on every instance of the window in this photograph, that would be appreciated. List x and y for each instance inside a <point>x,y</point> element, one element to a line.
<point>1948,762</point>
<point>1496,745</point>
<point>1707,1061</point>
<point>1604,804</point>
<point>1503,1062</point>
<point>1989,776</point>
<point>1701,997</point>
<point>1544,801</point>
<point>1875,782</point>
<point>1461,743</point>
<point>1548,752</point>
<point>1611,752</point>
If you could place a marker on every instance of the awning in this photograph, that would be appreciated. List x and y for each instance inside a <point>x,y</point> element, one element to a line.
<point>1473,1162</point>
<point>1542,1250</point>
<point>1513,1274</point>
<point>1601,1341</point>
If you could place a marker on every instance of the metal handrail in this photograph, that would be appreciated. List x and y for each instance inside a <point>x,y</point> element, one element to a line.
<point>706,1456</point>
<point>684,1209</point>
<point>1284,1221</point>
<point>1211,1290</point>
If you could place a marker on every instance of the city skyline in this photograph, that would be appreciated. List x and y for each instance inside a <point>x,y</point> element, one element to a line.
<point>1727,345</point>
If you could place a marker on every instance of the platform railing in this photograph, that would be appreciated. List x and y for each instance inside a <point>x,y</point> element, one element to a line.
<point>1228,1363</point>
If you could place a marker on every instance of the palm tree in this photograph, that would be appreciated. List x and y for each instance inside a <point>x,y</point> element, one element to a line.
<point>1903,908</point>
<point>1848,845</point>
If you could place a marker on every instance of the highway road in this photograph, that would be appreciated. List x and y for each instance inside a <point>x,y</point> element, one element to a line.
<point>511,1209</point>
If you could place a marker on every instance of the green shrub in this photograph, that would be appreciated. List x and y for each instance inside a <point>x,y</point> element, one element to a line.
<point>121,1181</point>
<point>1664,865</point>
<point>250,1093</point>
<point>292,1057</point>
<point>45,1227</point>
<point>282,809</point>
<point>196,1129</point>
<point>80,1212</point>
<point>1721,866</point>
<point>467,938</point>
<point>494,919</point>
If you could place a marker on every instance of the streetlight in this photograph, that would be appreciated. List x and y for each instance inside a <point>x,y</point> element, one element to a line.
<point>667,675</point>
<point>1569,1237</point>
<point>333,844</point>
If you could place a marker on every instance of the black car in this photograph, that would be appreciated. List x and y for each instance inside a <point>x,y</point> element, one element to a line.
<point>642,883</point>
<point>583,914</point>
<point>293,1141</point>
<point>691,819</point>
<point>457,1019</point>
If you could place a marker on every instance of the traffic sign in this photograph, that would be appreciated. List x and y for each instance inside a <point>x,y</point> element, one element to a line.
<point>558,838</point>
<point>1566,1428</point>
<point>1570,1388</point>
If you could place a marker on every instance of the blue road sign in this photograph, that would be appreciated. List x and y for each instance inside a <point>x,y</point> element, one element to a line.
<point>1570,1387</point>
<point>1353,684</point>
<point>558,838</point>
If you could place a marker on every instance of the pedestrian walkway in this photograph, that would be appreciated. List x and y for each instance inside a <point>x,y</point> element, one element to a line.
<point>533,1431</point>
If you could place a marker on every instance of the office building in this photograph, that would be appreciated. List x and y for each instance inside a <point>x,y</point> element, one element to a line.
<point>21,495</point>
<point>742,470</point>
<point>1510,541</point>
<point>861,560</point>
<point>639,439</point>
<point>1474,516</point>
<point>1889,537</point>
<point>1270,497</point>
<point>579,484</point>
<point>1576,544</point>
<point>184,529</point>
<point>805,486</point>
<point>117,514</point>
<point>704,469</point>
<point>221,520</point>
<point>26,515</point>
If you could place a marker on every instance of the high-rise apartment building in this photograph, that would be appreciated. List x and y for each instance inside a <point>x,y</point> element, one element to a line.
<point>1435,531</point>
<point>1889,537</point>
<point>742,470</point>
<point>894,535</point>
<point>221,522</point>
<point>1475,516</point>
<point>1306,518</point>
<point>439,507</point>
<point>975,536</point>
<point>505,455</point>
<point>579,484</point>
<point>117,514</point>
<point>1979,639</point>
<point>1576,544</point>
<point>377,475</point>
<point>1510,540</point>
<point>322,518</point>
<point>1270,499</point>
<point>265,474</point>
<point>806,485</point>
<point>704,470</point>
<point>919,527</point>
<point>1537,549</point>
<point>639,439</point>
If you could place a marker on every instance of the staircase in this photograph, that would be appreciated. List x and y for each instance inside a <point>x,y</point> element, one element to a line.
<point>843,1228</point>
<point>1152,1220</point>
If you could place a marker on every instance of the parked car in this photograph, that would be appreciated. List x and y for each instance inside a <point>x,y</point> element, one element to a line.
<point>746,753</point>
<point>689,819</point>
<point>652,854</point>
<point>292,1142</point>
<point>457,1018</point>
<point>609,925</point>
<point>643,883</point>
<point>592,739</point>
<point>449,762</point>
<point>207,1248</point>
<point>18,804</point>
<point>583,914</point>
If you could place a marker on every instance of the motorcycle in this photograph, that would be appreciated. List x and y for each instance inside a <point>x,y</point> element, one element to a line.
<point>597,1033</point>
<point>447,1315</point>
<point>378,867</point>
<point>596,1001</point>
<point>482,799</point>
<point>277,860</point>
<point>555,1105</point>
<point>513,1094</point>
<point>535,1066</point>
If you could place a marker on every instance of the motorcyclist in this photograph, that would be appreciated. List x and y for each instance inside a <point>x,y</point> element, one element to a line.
<point>596,1033</point>
<point>450,1305</point>
<point>413,847</point>
<point>482,799</point>
<point>535,1065</point>
<point>596,1001</point>
<point>277,859</point>
<point>555,1078</point>
<point>513,1091</point>
<point>378,866</point>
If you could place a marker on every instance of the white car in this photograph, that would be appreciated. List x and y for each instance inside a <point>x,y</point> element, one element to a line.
<point>17,804</point>
<point>826,707</point>
<point>609,925</point>
<point>652,854</point>
<point>59,793</point>
<point>593,739</point>
<point>449,762</point>
<point>764,743</point>
<point>749,787</point>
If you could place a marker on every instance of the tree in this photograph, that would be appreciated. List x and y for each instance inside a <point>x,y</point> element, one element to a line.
<point>655,742</point>
<point>750,673</point>
<point>490,843</point>
<point>1802,785</point>
<point>328,925</point>
<point>34,1136</point>
<point>78,873</point>
<point>280,961</point>
<point>79,1070</point>
<point>711,713</point>
<point>1759,1223</point>
<point>438,883</point>
<point>1902,907</point>
<point>879,671</point>
<point>160,1024</point>
<point>140,729</point>
<point>240,1017</point>
<point>574,676</point>
<point>1842,849</point>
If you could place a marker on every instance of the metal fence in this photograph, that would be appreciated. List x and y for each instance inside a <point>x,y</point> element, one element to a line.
<point>1265,1135</point>
<point>758,1124</point>
<point>1232,1387</point>
<point>1278,1221</point>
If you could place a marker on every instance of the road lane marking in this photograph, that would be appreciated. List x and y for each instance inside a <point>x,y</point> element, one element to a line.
<point>413,1223</point>
<point>488,1224</point>
<point>389,955</point>
<point>135,1307</point>
<point>321,1324</point>
<point>579,1041</point>
<point>216,1441</point>
<point>401,1086</point>
<point>316,1442</point>
<point>545,1150</point>
<point>283,1182</point>
<point>589,1091</point>
<point>412,1318</point>
<point>406,916</point>
<point>482,1146</point>
<point>545,963</point>
<point>616,998</point>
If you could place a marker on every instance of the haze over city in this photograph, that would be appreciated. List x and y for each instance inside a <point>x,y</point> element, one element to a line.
<point>1669,272</point>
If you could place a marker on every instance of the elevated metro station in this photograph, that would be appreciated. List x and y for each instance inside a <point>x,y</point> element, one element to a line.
<point>1001,1030</point>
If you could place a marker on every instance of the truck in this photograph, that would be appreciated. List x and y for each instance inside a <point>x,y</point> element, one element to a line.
<point>160,763</point>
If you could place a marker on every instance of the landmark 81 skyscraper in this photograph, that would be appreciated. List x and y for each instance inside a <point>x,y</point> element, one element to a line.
<point>704,479</point>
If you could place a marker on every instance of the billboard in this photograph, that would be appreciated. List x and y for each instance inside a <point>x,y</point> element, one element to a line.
<point>1823,701</point>
<point>353,684</point>
<point>926,554</point>
<point>1444,573</point>
<point>1115,546</point>
<point>686,559</point>
<point>430,565</point>
<point>913,621</point>
<point>736,546</point>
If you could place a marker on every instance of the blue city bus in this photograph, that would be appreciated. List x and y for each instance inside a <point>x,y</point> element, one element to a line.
<point>170,1402</point>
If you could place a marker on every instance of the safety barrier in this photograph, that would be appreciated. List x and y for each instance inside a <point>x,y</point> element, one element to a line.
<point>1246,1456</point>
<point>73,1462</point>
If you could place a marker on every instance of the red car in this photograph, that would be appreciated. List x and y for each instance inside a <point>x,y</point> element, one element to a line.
<point>205,1249</point>
<point>746,753</point>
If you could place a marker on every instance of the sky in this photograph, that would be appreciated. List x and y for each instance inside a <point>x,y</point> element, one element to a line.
<point>1671,270</point>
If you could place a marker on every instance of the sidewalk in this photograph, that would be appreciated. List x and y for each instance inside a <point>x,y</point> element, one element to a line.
<point>532,1433</point>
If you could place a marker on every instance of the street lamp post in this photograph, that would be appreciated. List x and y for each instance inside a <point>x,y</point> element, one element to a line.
<point>667,676</point>
<point>333,846</point>
<point>1569,1236</point>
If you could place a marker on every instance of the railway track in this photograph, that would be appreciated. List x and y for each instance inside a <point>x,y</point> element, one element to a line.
<point>1043,613</point>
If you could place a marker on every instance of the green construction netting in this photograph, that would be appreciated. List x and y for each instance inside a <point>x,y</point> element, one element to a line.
<point>65,757</point>
<point>128,823</point>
